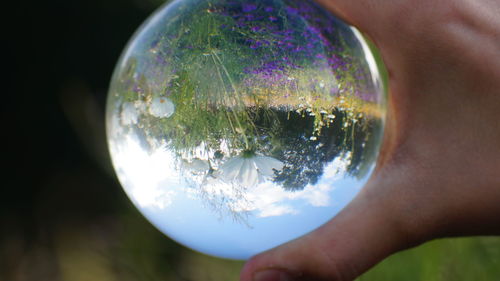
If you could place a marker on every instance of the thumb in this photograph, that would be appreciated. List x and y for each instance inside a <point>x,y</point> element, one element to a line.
<point>360,236</point>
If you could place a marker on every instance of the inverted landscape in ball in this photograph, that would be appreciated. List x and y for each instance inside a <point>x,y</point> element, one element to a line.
<point>235,126</point>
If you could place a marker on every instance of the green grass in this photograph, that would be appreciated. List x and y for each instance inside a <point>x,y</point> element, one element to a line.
<point>443,260</point>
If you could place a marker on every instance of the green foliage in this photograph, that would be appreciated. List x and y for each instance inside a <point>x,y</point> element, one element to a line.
<point>460,259</point>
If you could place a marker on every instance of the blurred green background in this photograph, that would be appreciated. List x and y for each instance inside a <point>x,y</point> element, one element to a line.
<point>63,216</point>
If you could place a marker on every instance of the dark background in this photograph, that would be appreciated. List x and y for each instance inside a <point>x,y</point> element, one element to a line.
<point>63,216</point>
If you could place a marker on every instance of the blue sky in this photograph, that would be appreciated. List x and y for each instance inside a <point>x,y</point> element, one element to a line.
<point>176,206</point>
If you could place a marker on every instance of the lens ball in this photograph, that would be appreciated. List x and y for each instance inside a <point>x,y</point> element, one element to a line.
<point>235,126</point>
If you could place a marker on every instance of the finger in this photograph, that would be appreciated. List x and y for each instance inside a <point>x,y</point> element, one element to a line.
<point>355,240</point>
<point>393,25</point>
<point>357,13</point>
<point>374,17</point>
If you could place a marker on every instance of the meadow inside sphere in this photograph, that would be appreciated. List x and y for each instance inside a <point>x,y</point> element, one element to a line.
<point>235,126</point>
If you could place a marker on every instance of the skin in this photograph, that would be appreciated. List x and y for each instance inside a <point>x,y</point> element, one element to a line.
<point>439,170</point>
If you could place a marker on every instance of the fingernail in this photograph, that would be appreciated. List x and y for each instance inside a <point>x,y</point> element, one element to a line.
<point>272,275</point>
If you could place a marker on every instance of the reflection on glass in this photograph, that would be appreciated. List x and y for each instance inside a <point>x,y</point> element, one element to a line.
<point>235,126</point>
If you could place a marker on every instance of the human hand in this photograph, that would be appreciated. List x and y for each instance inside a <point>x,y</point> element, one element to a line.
<point>438,173</point>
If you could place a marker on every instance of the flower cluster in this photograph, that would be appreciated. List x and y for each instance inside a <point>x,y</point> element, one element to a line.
<point>283,28</point>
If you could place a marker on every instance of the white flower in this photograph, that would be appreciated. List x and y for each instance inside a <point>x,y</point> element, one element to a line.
<point>249,171</point>
<point>161,107</point>
<point>129,114</point>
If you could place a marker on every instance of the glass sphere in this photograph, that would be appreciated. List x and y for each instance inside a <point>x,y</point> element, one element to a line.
<point>235,126</point>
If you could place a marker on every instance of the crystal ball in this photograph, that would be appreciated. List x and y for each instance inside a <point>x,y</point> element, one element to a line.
<point>235,126</point>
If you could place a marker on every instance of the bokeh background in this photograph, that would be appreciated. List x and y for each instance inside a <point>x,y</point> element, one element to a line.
<point>63,215</point>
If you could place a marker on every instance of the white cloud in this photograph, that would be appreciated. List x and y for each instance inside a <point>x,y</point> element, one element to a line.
<point>276,210</point>
<point>145,176</point>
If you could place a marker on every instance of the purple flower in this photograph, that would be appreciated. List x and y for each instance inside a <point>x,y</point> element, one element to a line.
<point>249,17</point>
<point>256,45</point>
<point>248,7</point>
<point>329,29</point>
<point>292,11</point>
<point>269,9</point>
<point>271,18</point>
<point>256,28</point>
<point>313,30</point>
